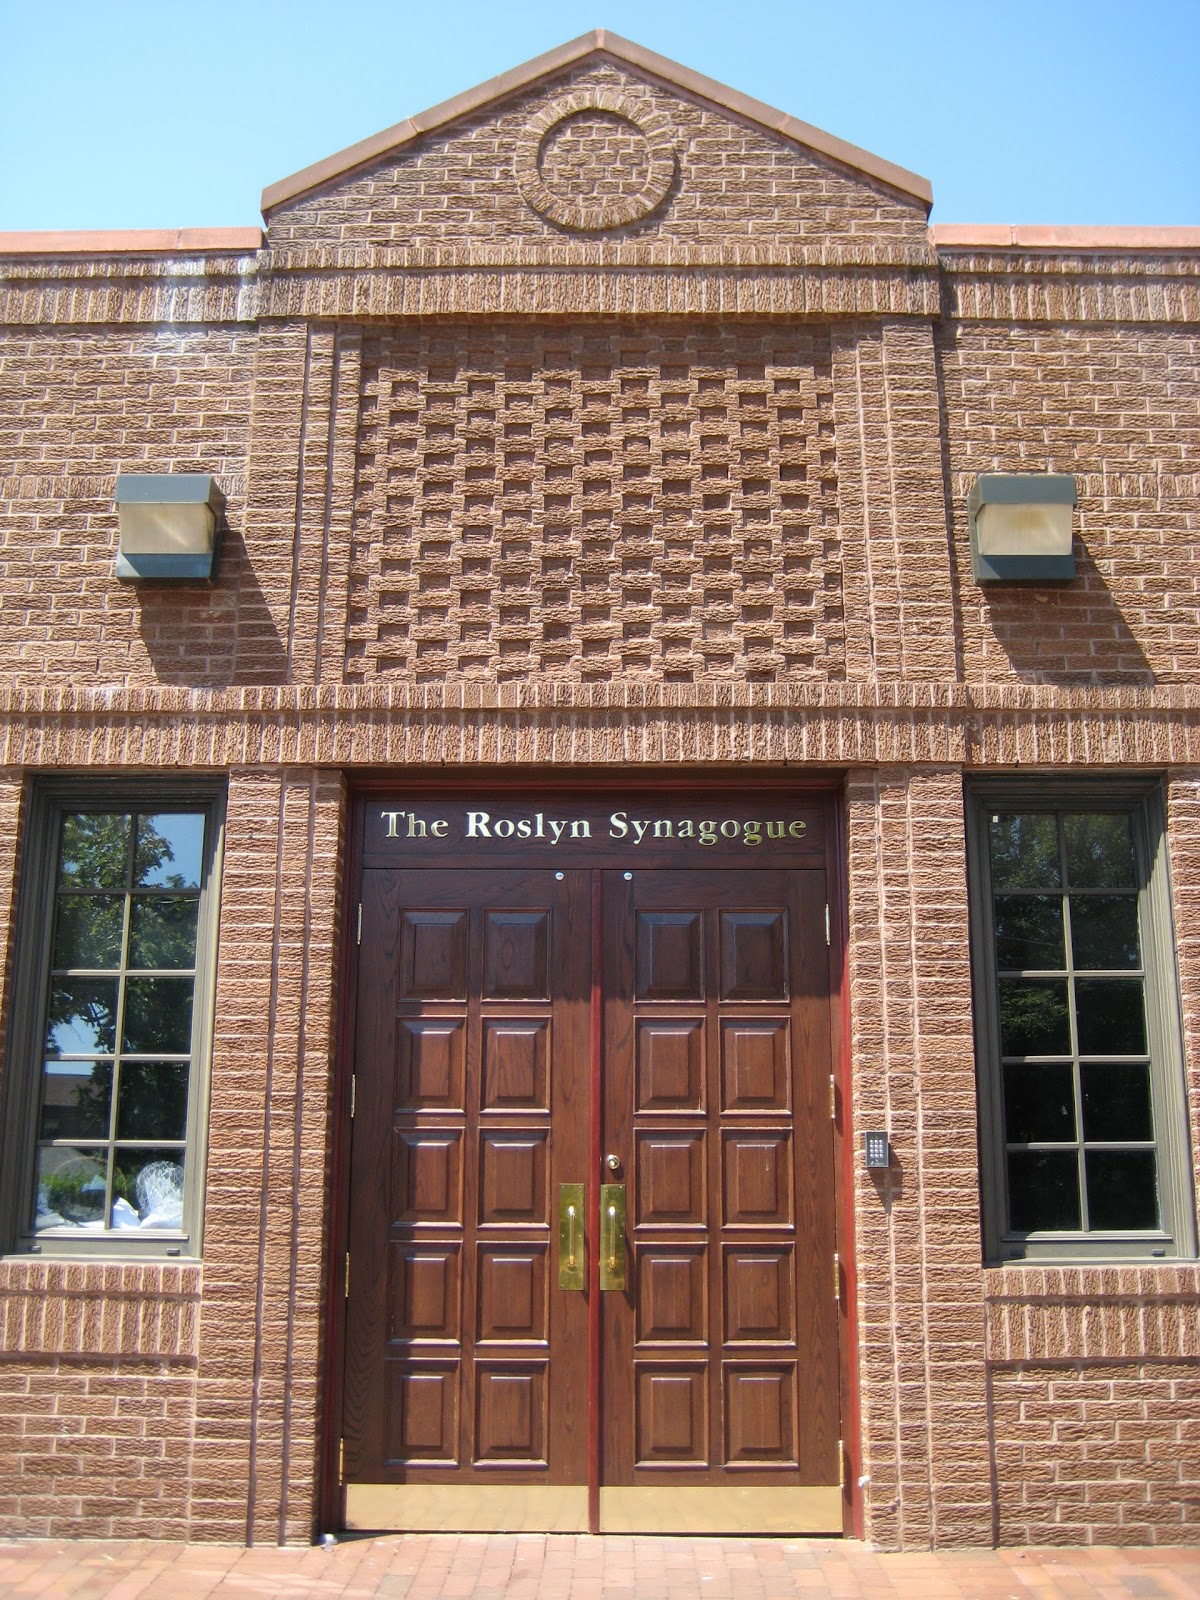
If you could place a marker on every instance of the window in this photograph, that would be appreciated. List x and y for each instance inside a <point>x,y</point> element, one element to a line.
<point>108,1079</point>
<point>1082,1118</point>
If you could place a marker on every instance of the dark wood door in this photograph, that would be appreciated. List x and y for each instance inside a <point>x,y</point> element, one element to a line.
<point>473,1372</point>
<point>721,1357</point>
<point>471,1105</point>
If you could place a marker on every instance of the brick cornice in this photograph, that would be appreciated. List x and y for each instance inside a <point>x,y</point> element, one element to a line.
<point>601,725</point>
<point>1061,239</point>
<point>132,241</point>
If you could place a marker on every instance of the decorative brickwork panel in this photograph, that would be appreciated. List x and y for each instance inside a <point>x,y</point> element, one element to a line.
<point>74,412</point>
<point>592,505</point>
<point>731,182</point>
<point>1097,1454</point>
<point>1116,406</point>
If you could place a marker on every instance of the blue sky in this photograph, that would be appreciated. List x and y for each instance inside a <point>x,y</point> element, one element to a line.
<point>126,114</point>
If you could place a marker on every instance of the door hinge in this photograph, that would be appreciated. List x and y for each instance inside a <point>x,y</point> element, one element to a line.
<point>827,922</point>
<point>837,1278</point>
<point>354,1092</point>
<point>832,1098</point>
<point>359,939</point>
<point>347,1274</point>
<point>341,1460</point>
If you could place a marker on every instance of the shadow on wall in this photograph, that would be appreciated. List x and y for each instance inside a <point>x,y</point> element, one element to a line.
<point>1074,635</point>
<point>218,637</point>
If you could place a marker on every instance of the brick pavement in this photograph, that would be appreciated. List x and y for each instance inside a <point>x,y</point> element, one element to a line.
<point>540,1567</point>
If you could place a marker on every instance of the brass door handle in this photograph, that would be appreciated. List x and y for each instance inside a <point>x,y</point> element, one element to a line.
<point>572,1246</point>
<point>612,1236</point>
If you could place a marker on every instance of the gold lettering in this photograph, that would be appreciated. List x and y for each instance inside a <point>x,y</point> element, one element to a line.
<point>391,818</point>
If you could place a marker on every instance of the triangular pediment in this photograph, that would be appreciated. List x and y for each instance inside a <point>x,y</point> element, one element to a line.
<point>602,142</point>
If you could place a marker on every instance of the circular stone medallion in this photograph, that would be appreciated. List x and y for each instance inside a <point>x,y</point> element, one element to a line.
<point>595,160</point>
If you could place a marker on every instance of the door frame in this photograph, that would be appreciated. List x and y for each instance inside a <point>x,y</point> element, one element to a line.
<point>431,783</point>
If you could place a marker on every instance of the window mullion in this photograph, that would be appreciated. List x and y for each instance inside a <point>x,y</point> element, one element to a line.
<point>1073,1018</point>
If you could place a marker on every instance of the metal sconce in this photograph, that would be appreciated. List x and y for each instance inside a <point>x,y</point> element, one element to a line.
<point>1022,527</point>
<point>170,524</point>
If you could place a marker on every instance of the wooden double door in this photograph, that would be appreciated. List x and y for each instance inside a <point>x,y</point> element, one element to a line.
<point>591,1275</point>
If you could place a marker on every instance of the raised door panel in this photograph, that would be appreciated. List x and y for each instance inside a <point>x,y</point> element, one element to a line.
<point>425,1289</point>
<point>432,1054</point>
<point>760,1415</point>
<point>670,1064</point>
<point>433,954</point>
<point>516,1059</point>
<point>428,1182</point>
<point>511,1414</point>
<point>671,1295</point>
<point>512,1299</point>
<point>421,1415</point>
<point>672,1415</point>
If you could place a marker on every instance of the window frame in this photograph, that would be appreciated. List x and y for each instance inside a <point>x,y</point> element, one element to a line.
<point>48,799</point>
<point>1141,798</point>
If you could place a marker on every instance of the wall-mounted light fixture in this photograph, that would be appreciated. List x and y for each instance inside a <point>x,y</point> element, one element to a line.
<point>170,523</point>
<point>1021,527</point>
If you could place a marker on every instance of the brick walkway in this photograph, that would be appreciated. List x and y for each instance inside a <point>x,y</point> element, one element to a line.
<point>535,1567</point>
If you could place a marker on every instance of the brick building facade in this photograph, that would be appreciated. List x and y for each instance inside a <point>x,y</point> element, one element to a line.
<point>601,439</point>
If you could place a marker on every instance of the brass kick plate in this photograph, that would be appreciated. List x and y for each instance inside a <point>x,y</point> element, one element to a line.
<point>612,1236</point>
<point>572,1256</point>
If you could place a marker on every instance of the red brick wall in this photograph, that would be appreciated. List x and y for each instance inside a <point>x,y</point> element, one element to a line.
<point>1116,406</point>
<point>1097,1454</point>
<point>152,1401</point>
<point>76,408</point>
<point>925,1446</point>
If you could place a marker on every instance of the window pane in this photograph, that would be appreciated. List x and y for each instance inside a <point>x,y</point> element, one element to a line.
<point>148,1189</point>
<point>162,931</point>
<point>1122,1189</point>
<point>95,851</point>
<point>152,1100</point>
<point>82,1016</point>
<point>1116,1101</point>
<point>70,1188</point>
<point>1024,851</point>
<point>1029,931</point>
<point>87,932</point>
<point>1104,930</point>
<point>1043,1190</point>
<point>1033,1017</point>
<point>158,1015</point>
<point>1039,1104</point>
<point>169,850</point>
<point>75,1099</point>
<point>1100,851</point>
<point>1110,1016</point>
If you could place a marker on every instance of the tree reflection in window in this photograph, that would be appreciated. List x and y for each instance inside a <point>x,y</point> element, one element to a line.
<point>118,1033</point>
